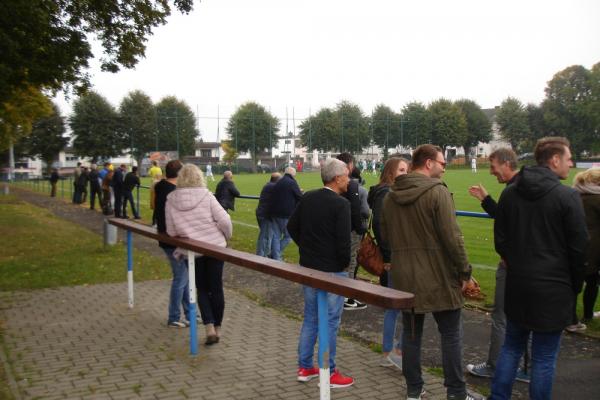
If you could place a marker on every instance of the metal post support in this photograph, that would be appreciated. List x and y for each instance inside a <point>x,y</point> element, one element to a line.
<point>192,310</point>
<point>323,322</point>
<point>138,199</point>
<point>110,234</point>
<point>130,268</point>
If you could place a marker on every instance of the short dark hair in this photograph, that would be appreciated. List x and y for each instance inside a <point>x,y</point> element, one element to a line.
<point>505,155</point>
<point>133,169</point>
<point>345,157</point>
<point>423,153</point>
<point>548,147</point>
<point>172,168</point>
<point>154,162</point>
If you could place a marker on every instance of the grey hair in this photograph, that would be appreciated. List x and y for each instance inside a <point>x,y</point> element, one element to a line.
<point>190,176</point>
<point>332,168</point>
<point>291,171</point>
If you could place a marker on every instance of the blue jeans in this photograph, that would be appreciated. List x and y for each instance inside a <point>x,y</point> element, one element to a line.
<point>309,331</point>
<point>128,197</point>
<point>390,318</point>
<point>281,237</point>
<point>544,352</point>
<point>263,244</point>
<point>179,294</point>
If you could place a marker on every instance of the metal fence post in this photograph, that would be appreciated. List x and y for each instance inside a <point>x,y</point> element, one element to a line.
<point>323,322</point>
<point>138,199</point>
<point>130,268</point>
<point>192,310</point>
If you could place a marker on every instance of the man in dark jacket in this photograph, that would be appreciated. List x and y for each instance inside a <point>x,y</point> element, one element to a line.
<point>285,197</point>
<point>358,226</point>
<point>226,192</point>
<point>129,183</point>
<point>117,185</point>
<point>54,177</point>
<point>541,235</point>
<point>320,226</point>
<point>263,244</point>
<point>503,165</point>
<point>95,188</point>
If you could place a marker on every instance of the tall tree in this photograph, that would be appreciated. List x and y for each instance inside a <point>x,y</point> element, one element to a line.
<point>593,109</point>
<point>45,43</point>
<point>18,114</point>
<point>568,98</point>
<point>94,125</point>
<point>448,124</point>
<point>137,124</point>
<point>318,132</point>
<point>513,123</point>
<point>47,138</point>
<point>253,129</point>
<point>416,123</point>
<point>385,128</point>
<point>353,128</point>
<point>177,126</point>
<point>479,127</point>
<point>538,127</point>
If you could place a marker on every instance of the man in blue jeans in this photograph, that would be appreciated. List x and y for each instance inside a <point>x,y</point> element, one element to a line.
<point>178,296</point>
<point>285,196</point>
<point>265,236</point>
<point>541,235</point>
<point>320,225</point>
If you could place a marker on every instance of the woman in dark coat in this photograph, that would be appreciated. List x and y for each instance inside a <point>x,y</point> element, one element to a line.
<point>587,183</point>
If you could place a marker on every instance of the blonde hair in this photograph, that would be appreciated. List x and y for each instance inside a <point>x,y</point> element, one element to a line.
<point>190,176</point>
<point>588,177</point>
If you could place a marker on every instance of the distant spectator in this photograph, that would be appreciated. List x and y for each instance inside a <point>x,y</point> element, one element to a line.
<point>95,188</point>
<point>209,173</point>
<point>76,191</point>
<point>157,178</point>
<point>54,177</point>
<point>193,212</point>
<point>107,196</point>
<point>285,197</point>
<point>227,192</point>
<point>117,187</point>
<point>82,183</point>
<point>265,236</point>
<point>130,182</point>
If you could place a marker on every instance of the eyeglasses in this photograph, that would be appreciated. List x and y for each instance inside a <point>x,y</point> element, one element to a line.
<point>442,163</point>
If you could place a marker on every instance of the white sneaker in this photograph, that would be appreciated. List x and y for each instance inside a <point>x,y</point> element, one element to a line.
<point>385,362</point>
<point>395,359</point>
<point>578,327</point>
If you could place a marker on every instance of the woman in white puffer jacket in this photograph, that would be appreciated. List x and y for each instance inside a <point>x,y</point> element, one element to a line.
<point>193,212</point>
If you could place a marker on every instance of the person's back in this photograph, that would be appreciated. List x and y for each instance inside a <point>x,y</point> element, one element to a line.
<point>226,192</point>
<point>285,196</point>
<point>131,181</point>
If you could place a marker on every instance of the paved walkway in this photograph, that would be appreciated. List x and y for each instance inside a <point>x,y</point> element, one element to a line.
<point>83,342</point>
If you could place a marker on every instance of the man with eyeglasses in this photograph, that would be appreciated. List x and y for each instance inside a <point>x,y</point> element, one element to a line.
<point>429,260</point>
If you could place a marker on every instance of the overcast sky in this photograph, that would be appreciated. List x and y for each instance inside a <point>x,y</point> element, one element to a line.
<point>308,54</point>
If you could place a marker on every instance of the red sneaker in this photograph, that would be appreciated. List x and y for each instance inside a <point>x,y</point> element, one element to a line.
<point>337,380</point>
<point>306,374</point>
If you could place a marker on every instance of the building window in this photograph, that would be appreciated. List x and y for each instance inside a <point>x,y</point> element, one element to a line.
<point>206,153</point>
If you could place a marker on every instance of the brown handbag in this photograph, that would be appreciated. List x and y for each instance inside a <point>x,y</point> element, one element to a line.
<point>369,256</point>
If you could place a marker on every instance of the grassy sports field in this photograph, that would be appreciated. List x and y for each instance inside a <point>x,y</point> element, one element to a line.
<point>477,231</point>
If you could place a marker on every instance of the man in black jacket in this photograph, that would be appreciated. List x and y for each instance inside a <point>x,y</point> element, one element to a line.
<point>95,188</point>
<point>320,226</point>
<point>226,192</point>
<point>285,197</point>
<point>263,217</point>
<point>117,185</point>
<point>358,227</point>
<point>129,183</point>
<point>503,165</point>
<point>541,235</point>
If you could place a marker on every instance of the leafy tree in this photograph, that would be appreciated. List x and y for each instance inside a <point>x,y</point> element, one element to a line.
<point>568,99</point>
<point>138,124</point>
<point>45,43</point>
<point>538,127</point>
<point>353,132</point>
<point>252,129</point>
<point>177,127</point>
<point>47,138</point>
<point>448,124</point>
<point>513,123</point>
<point>18,114</point>
<point>318,132</point>
<point>385,128</point>
<point>416,123</point>
<point>231,154</point>
<point>479,127</point>
<point>94,124</point>
<point>593,109</point>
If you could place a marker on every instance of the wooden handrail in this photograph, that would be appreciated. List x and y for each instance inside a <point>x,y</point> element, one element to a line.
<point>354,289</point>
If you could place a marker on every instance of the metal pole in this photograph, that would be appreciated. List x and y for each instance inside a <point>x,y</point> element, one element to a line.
<point>192,309</point>
<point>325,390</point>
<point>130,268</point>
<point>137,189</point>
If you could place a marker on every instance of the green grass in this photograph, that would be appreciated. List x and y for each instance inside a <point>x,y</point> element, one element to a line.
<point>41,251</point>
<point>478,232</point>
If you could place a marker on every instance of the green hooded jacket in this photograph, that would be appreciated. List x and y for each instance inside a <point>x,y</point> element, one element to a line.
<point>427,246</point>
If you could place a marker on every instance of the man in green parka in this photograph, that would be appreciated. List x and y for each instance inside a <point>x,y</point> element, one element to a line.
<point>429,260</point>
